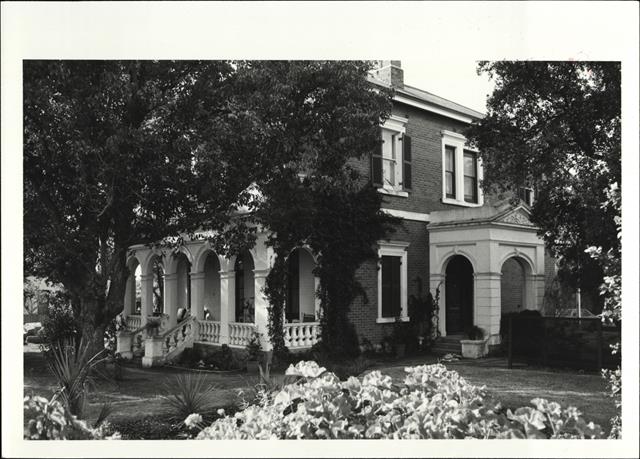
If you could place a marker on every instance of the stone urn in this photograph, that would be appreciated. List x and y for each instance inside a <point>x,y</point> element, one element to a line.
<point>473,348</point>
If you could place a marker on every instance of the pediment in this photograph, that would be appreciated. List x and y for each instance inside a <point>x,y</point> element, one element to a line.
<point>517,216</point>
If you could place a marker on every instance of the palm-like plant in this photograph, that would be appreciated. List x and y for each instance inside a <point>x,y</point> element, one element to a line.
<point>71,364</point>
<point>190,393</point>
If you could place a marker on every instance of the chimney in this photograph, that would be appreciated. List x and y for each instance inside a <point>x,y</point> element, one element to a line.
<point>391,73</point>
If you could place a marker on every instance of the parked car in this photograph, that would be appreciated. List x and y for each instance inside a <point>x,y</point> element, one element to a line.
<point>30,329</point>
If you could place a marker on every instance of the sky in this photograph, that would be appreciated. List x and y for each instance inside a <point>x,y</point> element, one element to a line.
<point>455,80</point>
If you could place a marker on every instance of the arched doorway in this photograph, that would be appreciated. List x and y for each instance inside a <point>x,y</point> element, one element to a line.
<point>133,295</point>
<point>211,301</point>
<point>459,295</point>
<point>183,280</point>
<point>300,304</point>
<point>512,286</point>
<point>244,288</point>
<point>157,271</point>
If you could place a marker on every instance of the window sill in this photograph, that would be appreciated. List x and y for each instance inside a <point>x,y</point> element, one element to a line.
<point>390,320</point>
<point>457,202</point>
<point>387,191</point>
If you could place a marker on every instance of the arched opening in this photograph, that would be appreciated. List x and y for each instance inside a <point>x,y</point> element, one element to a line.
<point>458,295</point>
<point>300,304</point>
<point>512,286</point>
<point>211,299</point>
<point>157,270</point>
<point>244,288</point>
<point>183,280</point>
<point>133,295</point>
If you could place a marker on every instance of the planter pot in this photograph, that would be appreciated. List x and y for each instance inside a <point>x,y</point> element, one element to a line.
<point>253,367</point>
<point>401,350</point>
<point>473,348</point>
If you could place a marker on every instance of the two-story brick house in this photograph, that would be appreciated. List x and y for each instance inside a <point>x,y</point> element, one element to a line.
<point>483,257</point>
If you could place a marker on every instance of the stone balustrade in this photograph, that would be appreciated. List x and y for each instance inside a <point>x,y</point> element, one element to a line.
<point>301,335</point>
<point>208,331</point>
<point>240,333</point>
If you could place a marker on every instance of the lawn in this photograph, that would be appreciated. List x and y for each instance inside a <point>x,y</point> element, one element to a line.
<point>138,395</point>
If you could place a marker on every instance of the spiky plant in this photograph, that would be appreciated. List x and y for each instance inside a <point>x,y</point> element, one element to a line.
<point>71,364</point>
<point>189,393</point>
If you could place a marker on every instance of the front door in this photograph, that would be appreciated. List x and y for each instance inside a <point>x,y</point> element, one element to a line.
<point>459,295</point>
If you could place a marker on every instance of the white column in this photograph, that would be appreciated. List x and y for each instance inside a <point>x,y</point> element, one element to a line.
<point>227,303</point>
<point>487,309</point>
<point>261,304</point>
<point>129,297</point>
<point>171,298</point>
<point>197,295</point>
<point>436,281</point>
<point>146,281</point>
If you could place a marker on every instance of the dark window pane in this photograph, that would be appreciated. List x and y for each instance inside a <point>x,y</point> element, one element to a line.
<point>449,185</point>
<point>390,286</point>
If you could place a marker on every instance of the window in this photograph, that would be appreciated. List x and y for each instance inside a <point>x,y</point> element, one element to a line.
<point>461,172</point>
<point>450,171</point>
<point>392,281</point>
<point>391,163</point>
<point>470,177</point>
<point>526,195</point>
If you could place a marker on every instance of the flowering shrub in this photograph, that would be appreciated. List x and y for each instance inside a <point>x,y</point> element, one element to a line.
<point>432,402</point>
<point>48,420</point>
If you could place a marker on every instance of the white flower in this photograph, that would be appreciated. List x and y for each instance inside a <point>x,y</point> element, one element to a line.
<point>193,420</point>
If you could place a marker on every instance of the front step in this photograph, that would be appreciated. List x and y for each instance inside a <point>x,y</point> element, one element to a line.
<point>447,345</point>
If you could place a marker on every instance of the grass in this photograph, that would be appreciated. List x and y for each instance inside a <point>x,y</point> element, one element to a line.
<point>138,397</point>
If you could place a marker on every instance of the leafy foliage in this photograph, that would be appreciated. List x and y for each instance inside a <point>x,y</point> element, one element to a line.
<point>59,324</point>
<point>48,420</point>
<point>320,118</point>
<point>611,290</point>
<point>555,126</point>
<point>432,402</point>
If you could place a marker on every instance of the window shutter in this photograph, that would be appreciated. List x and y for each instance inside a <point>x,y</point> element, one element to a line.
<point>406,162</point>
<point>395,286</point>
<point>376,165</point>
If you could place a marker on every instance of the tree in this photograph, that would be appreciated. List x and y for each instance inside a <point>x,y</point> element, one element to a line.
<point>555,127</point>
<point>117,153</point>
<point>321,119</point>
<point>124,152</point>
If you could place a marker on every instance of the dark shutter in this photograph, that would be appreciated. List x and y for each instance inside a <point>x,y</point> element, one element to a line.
<point>406,161</point>
<point>391,293</point>
<point>395,286</point>
<point>376,164</point>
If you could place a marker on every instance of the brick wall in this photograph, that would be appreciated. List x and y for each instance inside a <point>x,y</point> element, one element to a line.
<point>364,312</point>
<point>424,128</point>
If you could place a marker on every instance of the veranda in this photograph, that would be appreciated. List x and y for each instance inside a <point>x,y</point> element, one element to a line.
<point>193,295</point>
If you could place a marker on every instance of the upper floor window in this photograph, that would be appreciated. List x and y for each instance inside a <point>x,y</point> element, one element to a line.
<point>391,163</point>
<point>470,177</point>
<point>461,172</point>
<point>526,195</point>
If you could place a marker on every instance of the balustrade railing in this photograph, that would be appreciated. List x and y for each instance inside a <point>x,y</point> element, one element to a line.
<point>178,337</point>
<point>208,331</point>
<point>301,335</point>
<point>240,333</point>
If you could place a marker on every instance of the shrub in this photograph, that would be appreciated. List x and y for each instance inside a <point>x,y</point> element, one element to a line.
<point>59,324</point>
<point>432,402</point>
<point>189,393</point>
<point>254,347</point>
<point>72,365</point>
<point>49,420</point>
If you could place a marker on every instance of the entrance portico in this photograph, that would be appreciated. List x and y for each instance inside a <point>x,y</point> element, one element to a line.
<point>481,240</point>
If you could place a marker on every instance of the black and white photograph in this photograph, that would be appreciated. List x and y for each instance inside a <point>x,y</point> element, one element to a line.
<point>240,238</point>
